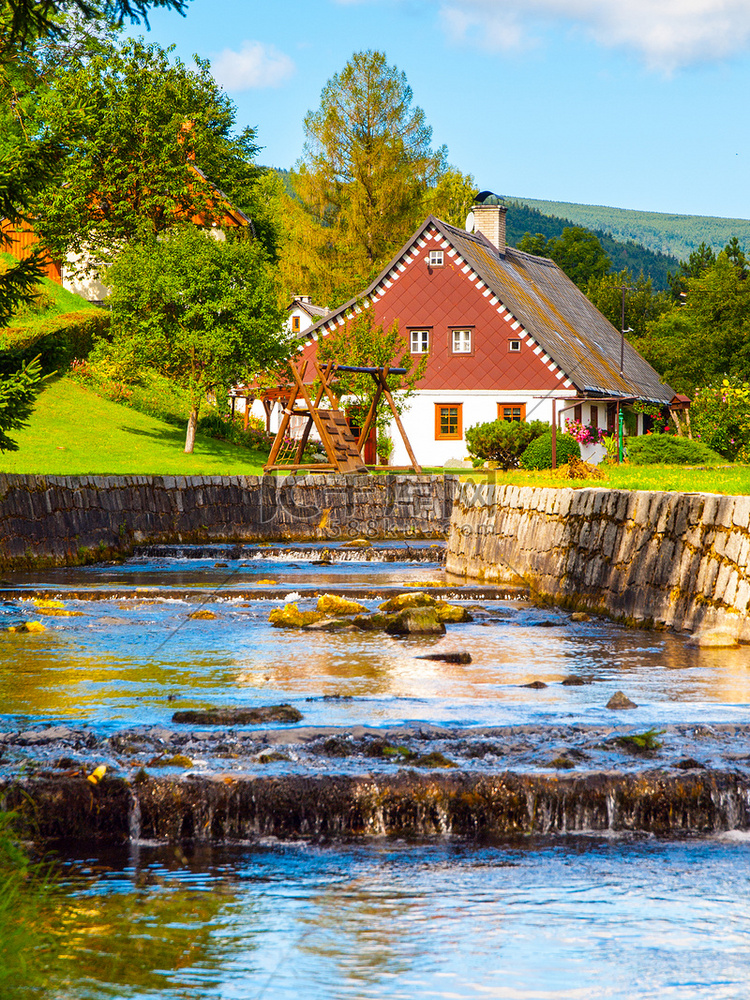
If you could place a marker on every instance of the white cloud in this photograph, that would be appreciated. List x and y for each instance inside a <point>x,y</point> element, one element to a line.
<point>255,66</point>
<point>665,33</point>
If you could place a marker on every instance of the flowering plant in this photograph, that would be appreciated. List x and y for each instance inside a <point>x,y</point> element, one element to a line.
<point>720,415</point>
<point>584,433</point>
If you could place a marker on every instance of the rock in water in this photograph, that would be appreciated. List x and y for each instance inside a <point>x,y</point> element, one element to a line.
<point>238,716</point>
<point>713,638</point>
<point>416,621</point>
<point>447,657</point>
<point>536,685</point>
<point>290,616</point>
<point>330,604</point>
<point>620,701</point>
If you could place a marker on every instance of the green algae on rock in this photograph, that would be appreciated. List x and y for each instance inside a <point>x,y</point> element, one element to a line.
<point>416,621</point>
<point>290,616</point>
<point>330,604</point>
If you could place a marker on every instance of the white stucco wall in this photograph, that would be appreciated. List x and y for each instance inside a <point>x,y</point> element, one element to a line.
<point>477,407</point>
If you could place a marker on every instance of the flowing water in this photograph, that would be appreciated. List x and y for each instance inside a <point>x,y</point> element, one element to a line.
<point>571,917</point>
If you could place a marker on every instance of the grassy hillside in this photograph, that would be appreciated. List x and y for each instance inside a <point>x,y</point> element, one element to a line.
<point>523,219</point>
<point>676,235</point>
<point>75,432</point>
<point>52,300</point>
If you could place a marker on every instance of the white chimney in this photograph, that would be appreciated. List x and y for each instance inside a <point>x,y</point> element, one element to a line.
<point>489,220</point>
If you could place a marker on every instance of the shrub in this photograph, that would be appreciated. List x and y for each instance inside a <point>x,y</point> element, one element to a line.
<point>720,417</point>
<point>538,455</point>
<point>668,449</point>
<point>221,427</point>
<point>56,341</point>
<point>503,441</point>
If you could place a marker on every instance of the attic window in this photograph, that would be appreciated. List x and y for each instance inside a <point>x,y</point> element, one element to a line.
<point>436,258</point>
<point>419,341</point>
<point>514,346</point>
<point>461,341</point>
<point>295,324</point>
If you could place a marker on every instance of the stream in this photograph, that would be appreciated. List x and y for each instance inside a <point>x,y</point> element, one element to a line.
<point>580,914</point>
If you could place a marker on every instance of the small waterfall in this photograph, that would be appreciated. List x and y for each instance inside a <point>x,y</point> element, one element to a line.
<point>134,816</point>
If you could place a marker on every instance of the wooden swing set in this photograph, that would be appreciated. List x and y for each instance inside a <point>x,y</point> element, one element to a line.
<point>343,449</point>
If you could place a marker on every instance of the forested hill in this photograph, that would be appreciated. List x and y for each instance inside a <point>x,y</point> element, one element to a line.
<point>521,218</point>
<point>678,235</point>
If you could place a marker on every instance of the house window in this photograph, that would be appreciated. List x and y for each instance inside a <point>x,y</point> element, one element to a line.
<point>514,346</point>
<point>511,411</point>
<point>594,421</point>
<point>436,258</point>
<point>419,341</point>
<point>578,413</point>
<point>448,422</point>
<point>295,324</point>
<point>461,341</point>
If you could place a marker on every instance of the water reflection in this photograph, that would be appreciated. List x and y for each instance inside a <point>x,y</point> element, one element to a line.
<point>578,918</point>
<point>123,660</point>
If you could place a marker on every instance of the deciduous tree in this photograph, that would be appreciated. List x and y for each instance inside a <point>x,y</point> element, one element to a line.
<point>200,311</point>
<point>360,343</point>
<point>138,121</point>
<point>642,304</point>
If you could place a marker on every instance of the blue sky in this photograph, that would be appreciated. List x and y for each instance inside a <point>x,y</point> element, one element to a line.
<point>638,105</point>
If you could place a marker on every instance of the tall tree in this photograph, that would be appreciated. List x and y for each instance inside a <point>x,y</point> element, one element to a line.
<point>139,123</point>
<point>642,304</point>
<point>201,311</point>
<point>29,158</point>
<point>709,335</point>
<point>576,250</point>
<point>361,182</point>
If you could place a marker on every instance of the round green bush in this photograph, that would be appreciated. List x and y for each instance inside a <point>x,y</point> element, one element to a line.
<point>538,455</point>
<point>667,449</point>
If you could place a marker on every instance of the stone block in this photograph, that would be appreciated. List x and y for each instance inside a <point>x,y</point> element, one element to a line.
<point>725,514</point>
<point>721,581</point>
<point>741,512</point>
<point>710,508</point>
<point>742,597</point>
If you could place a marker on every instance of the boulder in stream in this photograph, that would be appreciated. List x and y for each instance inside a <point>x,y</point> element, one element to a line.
<point>290,616</point>
<point>620,701</point>
<point>713,638</point>
<point>331,604</point>
<point>447,657</point>
<point>238,716</point>
<point>416,621</point>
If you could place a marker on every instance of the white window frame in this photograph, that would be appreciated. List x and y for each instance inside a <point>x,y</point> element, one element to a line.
<point>461,341</point>
<point>436,258</point>
<point>514,346</point>
<point>420,345</point>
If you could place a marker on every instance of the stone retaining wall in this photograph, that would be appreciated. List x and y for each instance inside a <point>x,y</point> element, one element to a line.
<point>670,559</point>
<point>62,519</point>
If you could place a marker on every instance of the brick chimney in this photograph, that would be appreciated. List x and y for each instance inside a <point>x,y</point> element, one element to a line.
<point>489,218</point>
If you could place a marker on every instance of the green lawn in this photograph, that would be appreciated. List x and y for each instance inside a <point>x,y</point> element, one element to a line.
<point>75,432</point>
<point>731,479</point>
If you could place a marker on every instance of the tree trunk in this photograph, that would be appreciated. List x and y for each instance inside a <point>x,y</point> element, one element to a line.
<point>191,427</point>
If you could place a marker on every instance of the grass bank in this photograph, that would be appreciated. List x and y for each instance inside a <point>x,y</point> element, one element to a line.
<point>74,432</point>
<point>733,480</point>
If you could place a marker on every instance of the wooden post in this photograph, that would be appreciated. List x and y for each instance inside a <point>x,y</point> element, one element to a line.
<point>554,433</point>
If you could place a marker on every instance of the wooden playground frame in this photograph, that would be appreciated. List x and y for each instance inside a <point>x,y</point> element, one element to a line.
<point>343,450</point>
